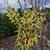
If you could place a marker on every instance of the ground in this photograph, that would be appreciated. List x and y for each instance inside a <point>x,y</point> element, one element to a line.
<point>8,43</point>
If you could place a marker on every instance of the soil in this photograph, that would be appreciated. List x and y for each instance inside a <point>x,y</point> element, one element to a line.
<point>8,43</point>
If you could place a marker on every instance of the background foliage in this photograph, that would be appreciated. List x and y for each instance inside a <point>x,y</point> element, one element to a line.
<point>6,27</point>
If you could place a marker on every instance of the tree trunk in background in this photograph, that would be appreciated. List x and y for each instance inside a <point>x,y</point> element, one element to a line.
<point>25,4</point>
<point>20,4</point>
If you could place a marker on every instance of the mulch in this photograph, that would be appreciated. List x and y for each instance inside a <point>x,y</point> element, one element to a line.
<point>8,43</point>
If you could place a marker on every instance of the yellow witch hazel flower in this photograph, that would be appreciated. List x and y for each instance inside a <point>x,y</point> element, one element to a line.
<point>35,40</point>
<point>27,26</point>
<point>12,13</point>
<point>48,42</point>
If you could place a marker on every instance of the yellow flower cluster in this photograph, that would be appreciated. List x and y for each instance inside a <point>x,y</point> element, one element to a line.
<point>28,27</point>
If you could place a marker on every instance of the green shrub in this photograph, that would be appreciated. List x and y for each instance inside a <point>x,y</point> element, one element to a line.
<point>6,27</point>
<point>48,14</point>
